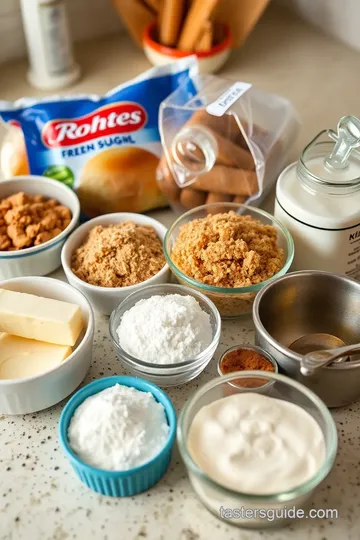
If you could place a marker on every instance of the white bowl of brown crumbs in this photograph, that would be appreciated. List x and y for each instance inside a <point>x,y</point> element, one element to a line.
<point>114,255</point>
<point>37,214</point>
<point>228,251</point>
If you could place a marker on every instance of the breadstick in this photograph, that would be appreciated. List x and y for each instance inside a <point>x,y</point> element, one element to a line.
<point>170,21</point>
<point>225,125</point>
<point>218,197</point>
<point>166,182</point>
<point>232,155</point>
<point>239,199</point>
<point>223,179</point>
<point>199,12</point>
<point>228,153</point>
<point>154,5</point>
<point>206,37</point>
<point>190,198</point>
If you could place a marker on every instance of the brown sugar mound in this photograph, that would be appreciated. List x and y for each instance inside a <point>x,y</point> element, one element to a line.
<point>118,255</point>
<point>30,220</point>
<point>228,250</point>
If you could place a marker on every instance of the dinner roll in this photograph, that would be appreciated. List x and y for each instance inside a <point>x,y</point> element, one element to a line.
<point>13,156</point>
<point>119,180</point>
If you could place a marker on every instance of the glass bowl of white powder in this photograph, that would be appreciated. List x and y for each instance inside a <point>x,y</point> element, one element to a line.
<point>250,457</point>
<point>165,333</point>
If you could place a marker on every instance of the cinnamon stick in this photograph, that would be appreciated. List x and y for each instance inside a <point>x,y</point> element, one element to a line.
<point>233,155</point>
<point>166,182</point>
<point>170,21</point>
<point>154,5</point>
<point>218,198</point>
<point>199,12</point>
<point>135,16</point>
<point>228,153</point>
<point>222,179</point>
<point>190,198</point>
<point>239,199</point>
<point>206,37</point>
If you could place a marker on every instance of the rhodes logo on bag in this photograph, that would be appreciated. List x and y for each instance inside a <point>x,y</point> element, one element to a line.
<point>110,120</point>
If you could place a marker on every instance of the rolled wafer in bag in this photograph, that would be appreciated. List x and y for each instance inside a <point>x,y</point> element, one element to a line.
<point>229,180</point>
<point>214,201</point>
<point>227,139</point>
<point>190,198</point>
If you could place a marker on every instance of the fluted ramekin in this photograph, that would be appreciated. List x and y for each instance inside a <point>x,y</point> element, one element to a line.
<point>119,483</point>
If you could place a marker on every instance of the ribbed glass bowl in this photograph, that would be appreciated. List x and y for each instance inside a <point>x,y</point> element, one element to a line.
<point>166,374</point>
<point>213,495</point>
<point>231,302</point>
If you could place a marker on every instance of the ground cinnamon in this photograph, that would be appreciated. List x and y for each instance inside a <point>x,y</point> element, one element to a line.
<point>245,360</point>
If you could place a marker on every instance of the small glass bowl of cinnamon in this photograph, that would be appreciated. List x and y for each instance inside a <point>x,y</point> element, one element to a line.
<point>247,358</point>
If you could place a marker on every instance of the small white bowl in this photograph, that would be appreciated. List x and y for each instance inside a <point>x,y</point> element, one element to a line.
<point>106,299</point>
<point>45,258</point>
<point>31,394</point>
<point>208,61</point>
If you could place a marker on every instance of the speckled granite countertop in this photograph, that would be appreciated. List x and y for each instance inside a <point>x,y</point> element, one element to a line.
<point>40,497</point>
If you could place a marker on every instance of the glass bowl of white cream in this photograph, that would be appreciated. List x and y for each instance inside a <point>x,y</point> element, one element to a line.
<point>255,460</point>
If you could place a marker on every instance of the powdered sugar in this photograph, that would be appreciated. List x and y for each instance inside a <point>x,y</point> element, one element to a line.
<point>165,329</point>
<point>118,428</point>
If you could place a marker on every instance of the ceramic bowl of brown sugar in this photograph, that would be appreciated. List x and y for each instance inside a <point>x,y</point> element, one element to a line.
<point>111,256</point>
<point>229,252</point>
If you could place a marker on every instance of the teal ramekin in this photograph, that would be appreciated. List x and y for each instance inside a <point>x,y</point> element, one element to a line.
<point>119,483</point>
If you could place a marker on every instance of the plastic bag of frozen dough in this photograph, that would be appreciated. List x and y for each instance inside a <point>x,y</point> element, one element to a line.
<point>105,147</point>
<point>223,141</point>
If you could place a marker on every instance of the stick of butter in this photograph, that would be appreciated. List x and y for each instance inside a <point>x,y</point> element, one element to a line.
<point>44,319</point>
<point>21,357</point>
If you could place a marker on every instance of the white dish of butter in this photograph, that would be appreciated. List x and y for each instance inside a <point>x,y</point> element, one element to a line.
<point>37,333</point>
<point>34,317</point>
<point>21,357</point>
<point>256,444</point>
<point>46,310</point>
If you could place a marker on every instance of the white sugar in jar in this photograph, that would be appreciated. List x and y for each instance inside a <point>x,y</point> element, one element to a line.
<point>318,200</point>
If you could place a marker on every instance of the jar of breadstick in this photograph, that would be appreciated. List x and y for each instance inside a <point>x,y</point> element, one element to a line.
<point>223,141</point>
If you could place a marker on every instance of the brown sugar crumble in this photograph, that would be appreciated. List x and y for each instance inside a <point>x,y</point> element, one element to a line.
<point>228,250</point>
<point>30,220</point>
<point>118,255</point>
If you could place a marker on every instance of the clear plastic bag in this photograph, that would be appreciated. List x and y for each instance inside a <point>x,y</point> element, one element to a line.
<point>222,142</point>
